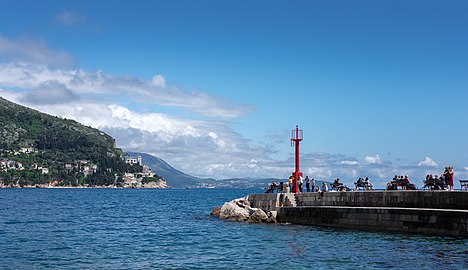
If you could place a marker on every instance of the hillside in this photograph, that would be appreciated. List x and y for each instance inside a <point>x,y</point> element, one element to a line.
<point>37,148</point>
<point>174,177</point>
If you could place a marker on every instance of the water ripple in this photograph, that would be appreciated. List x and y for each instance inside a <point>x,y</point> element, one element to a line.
<point>172,229</point>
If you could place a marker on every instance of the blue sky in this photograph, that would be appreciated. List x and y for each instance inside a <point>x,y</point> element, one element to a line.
<point>214,87</point>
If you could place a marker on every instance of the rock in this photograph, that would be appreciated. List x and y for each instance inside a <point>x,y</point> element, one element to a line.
<point>271,216</point>
<point>216,211</point>
<point>242,202</point>
<point>258,216</point>
<point>231,210</point>
<point>156,184</point>
<point>240,210</point>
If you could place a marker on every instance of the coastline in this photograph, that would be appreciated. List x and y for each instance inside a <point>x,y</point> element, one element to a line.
<point>150,185</point>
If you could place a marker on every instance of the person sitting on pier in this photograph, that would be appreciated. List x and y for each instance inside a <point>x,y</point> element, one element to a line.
<point>358,183</point>
<point>368,184</point>
<point>324,187</point>
<point>272,187</point>
<point>442,178</point>
<point>336,184</point>
<point>405,182</point>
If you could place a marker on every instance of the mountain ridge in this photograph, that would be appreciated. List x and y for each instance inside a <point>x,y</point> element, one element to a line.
<point>175,178</point>
<point>178,179</point>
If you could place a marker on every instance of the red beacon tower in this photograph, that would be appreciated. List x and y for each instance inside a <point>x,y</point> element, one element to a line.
<point>296,137</point>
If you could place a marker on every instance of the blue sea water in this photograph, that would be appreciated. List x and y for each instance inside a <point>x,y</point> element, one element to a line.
<point>173,229</point>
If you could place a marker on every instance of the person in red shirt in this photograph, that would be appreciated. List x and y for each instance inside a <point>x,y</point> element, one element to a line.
<point>450,178</point>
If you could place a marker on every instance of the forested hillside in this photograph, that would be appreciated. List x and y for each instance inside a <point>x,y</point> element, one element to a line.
<point>36,148</point>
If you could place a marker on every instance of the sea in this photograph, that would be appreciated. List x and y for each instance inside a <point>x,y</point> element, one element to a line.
<point>172,229</point>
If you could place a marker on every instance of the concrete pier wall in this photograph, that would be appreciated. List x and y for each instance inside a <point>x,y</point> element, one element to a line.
<point>391,198</point>
<point>266,202</point>
<point>409,220</point>
<point>427,212</point>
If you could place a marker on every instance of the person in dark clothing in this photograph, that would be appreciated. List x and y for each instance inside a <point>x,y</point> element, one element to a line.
<point>307,183</point>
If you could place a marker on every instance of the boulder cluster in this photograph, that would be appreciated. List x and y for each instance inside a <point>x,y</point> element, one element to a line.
<point>241,210</point>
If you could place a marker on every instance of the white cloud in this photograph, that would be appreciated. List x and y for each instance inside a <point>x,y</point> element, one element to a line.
<point>202,148</point>
<point>50,92</point>
<point>159,81</point>
<point>373,159</point>
<point>349,162</point>
<point>25,49</point>
<point>251,164</point>
<point>428,162</point>
<point>154,91</point>
<point>70,18</point>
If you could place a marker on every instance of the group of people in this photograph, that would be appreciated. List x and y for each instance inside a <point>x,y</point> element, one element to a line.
<point>401,178</point>
<point>402,181</point>
<point>309,184</point>
<point>363,183</point>
<point>446,177</point>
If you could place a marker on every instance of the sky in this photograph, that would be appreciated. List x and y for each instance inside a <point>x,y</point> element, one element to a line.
<point>379,88</point>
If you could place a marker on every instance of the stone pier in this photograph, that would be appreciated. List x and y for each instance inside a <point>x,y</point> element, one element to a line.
<point>425,212</point>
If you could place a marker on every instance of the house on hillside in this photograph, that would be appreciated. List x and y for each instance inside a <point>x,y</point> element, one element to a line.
<point>132,179</point>
<point>19,166</point>
<point>43,170</point>
<point>3,164</point>
<point>147,172</point>
<point>26,150</point>
<point>132,160</point>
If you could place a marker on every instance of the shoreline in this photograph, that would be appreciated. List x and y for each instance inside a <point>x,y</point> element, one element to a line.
<point>85,187</point>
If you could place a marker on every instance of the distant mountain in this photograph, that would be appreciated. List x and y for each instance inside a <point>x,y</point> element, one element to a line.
<point>178,179</point>
<point>174,177</point>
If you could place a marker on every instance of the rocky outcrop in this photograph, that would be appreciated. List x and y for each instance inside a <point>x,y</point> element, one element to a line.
<point>241,210</point>
<point>159,184</point>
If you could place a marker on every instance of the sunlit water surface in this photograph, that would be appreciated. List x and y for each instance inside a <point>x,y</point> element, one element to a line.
<point>173,229</point>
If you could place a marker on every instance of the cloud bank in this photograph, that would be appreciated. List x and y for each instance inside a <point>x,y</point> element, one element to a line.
<point>98,83</point>
<point>201,144</point>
